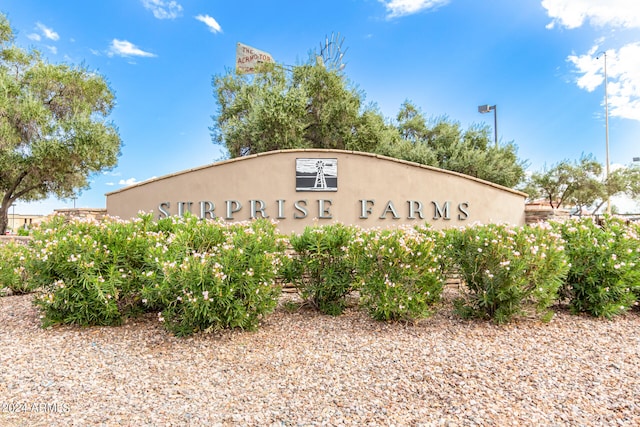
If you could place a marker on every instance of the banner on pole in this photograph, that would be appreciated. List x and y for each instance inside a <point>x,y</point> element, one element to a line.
<point>248,58</point>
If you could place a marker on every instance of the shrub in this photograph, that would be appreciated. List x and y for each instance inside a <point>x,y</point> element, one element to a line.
<point>635,280</point>
<point>604,266</point>
<point>400,271</point>
<point>13,275</point>
<point>198,274</point>
<point>507,271</point>
<point>322,269</point>
<point>212,275</point>
<point>90,273</point>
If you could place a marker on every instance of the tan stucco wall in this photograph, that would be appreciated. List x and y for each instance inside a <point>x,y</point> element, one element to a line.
<point>271,176</point>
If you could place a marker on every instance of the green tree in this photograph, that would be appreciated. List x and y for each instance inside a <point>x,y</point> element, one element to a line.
<point>313,106</point>
<point>625,180</point>
<point>580,184</point>
<point>631,181</point>
<point>444,144</point>
<point>308,106</point>
<point>558,183</point>
<point>53,128</point>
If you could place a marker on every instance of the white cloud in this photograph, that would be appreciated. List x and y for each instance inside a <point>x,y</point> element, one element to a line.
<point>623,75</point>
<point>110,184</point>
<point>129,181</point>
<point>210,22</point>
<point>34,37</point>
<point>47,32</point>
<point>397,8</point>
<point>52,49</point>
<point>623,63</point>
<point>599,13</point>
<point>163,9</point>
<point>126,48</point>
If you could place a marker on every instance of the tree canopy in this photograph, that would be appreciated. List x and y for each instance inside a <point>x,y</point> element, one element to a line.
<point>275,109</point>
<point>53,128</point>
<point>444,144</point>
<point>311,106</point>
<point>580,184</point>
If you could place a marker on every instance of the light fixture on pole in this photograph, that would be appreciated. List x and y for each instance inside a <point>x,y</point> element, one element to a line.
<point>486,109</point>
<point>606,123</point>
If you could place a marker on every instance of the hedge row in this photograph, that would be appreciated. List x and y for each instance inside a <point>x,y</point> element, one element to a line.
<point>203,275</point>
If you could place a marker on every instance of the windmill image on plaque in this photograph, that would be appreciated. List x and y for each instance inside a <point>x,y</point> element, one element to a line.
<point>316,174</point>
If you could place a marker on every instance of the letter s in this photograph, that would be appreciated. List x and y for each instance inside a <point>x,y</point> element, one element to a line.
<point>163,212</point>
<point>464,213</point>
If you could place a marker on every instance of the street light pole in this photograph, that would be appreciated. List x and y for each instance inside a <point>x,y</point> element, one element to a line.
<point>487,108</point>
<point>606,124</point>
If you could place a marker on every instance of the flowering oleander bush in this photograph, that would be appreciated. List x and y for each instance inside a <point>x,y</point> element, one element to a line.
<point>322,268</point>
<point>400,271</point>
<point>211,275</point>
<point>635,285</point>
<point>197,274</point>
<point>203,275</point>
<point>13,275</point>
<point>89,272</point>
<point>605,265</point>
<point>507,271</point>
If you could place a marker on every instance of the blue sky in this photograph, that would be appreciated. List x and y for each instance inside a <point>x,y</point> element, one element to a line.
<point>537,60</point>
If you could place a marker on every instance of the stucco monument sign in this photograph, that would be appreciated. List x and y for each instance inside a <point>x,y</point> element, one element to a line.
<point>302,187</point>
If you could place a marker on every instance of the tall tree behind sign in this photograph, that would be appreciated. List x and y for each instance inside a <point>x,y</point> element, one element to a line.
<point>314,106</point>
<point>307,106</point>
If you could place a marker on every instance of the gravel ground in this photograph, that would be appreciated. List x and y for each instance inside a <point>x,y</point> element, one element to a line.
<point>303,368</point>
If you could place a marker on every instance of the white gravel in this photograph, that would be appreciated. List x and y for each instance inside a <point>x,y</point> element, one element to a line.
<point>304,368</point>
